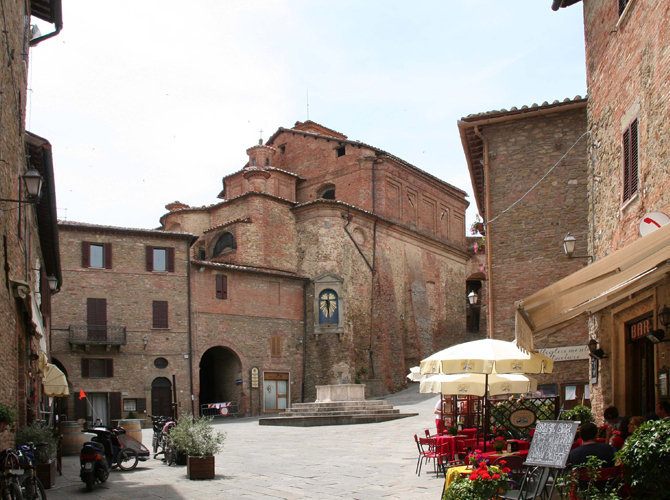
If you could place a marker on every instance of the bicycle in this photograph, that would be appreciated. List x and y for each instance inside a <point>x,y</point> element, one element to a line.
<point>31,486</point>
<point>10,486</point>
<point>161,429</point>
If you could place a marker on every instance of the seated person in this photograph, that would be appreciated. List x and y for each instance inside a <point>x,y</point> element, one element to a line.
<point>663,410</point>
<point>591,447</point>
<point>620,435</point>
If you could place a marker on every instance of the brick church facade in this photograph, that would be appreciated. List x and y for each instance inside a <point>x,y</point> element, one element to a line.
<point>326,261</point>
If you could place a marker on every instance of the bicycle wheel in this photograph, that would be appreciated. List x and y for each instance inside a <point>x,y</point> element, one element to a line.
<point>127,459</point>
<point>11,491</point>
<point>32,489</point>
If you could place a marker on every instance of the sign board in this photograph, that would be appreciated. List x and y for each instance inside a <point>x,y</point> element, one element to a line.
<point>640,329</point>
<point>551,443</point>
<point>566,353</point>
<point>254,378</point>
<point>652,221</point>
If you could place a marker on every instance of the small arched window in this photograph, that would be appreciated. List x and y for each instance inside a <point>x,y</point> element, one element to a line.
<point>329,308</point>
<point>225,241</point>
<point>326,192</point>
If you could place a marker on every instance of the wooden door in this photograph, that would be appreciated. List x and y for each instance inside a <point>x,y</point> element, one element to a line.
<point>161,397</point>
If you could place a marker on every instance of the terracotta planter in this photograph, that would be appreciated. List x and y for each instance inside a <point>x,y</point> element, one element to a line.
<point>47,473</point>
<point>200,467</point>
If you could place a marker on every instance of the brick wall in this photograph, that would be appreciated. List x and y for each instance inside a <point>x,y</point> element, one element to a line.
<point>628,67</point>
<point>129,290</point>
<point>526,243</point>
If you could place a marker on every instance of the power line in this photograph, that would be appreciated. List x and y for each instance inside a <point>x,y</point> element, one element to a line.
<point>541,178</point>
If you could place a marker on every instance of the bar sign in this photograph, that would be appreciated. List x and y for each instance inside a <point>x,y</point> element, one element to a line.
<point>640,329</point>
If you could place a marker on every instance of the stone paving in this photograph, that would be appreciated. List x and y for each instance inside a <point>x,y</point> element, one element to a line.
<point>365,461</point>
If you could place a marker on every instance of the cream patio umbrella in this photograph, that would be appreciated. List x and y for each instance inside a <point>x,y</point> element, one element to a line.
<point>486,356</point>
<point>474,384</point>
<point>414,374</point>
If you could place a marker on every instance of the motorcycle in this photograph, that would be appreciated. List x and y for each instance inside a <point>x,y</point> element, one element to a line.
<point>93,464</point>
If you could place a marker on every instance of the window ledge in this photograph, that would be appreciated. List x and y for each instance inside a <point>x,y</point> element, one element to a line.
<point>624,15</point>
<point>625,206</point>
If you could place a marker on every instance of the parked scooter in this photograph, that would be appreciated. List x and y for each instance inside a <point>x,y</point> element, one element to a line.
<point>93,464</point>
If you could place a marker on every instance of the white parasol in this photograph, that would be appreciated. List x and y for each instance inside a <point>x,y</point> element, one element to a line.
<point>474,384</point>
<point>486,356</point>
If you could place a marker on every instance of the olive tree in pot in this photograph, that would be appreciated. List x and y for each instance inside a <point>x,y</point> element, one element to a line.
<point>46,444</point>
<point>197,438</point>
<point>645,457</point>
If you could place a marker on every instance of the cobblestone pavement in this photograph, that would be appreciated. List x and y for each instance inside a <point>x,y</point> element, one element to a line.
<point>364,461</point>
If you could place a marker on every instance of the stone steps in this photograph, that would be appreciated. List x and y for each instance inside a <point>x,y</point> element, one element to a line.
<point>335,413</point>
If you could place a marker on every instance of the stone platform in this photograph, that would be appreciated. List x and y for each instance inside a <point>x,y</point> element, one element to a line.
<point>328,410</point>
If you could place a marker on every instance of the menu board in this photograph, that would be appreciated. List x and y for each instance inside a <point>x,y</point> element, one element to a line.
<point>551,443</point>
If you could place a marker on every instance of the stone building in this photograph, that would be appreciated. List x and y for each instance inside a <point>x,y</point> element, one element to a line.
<point>626,287</point>
<point>121,322</point>
<point>29,248</point>
<point>326,261</point>
<point>528,170</point>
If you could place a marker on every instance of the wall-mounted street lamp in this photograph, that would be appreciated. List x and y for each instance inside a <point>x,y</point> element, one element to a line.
<point>473,298</point>
<point>658,336</point>
<point>53,283</point>
<point>33,181</point>
<point>595,350</point>
<point>569,247</point>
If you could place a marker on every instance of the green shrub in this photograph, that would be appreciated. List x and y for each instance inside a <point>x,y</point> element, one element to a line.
<point>645,456</point>
<point>579,413</point>
<point>6,414</point>
<point>36,433</point>
<point>196,437</point>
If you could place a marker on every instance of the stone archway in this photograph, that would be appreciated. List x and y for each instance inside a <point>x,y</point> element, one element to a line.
<point>220,376</point>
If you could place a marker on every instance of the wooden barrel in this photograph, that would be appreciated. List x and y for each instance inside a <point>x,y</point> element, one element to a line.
<point>133,427</point>
<point>73,438</point>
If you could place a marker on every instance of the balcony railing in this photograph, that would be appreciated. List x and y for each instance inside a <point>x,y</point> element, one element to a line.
<point>97,335</point>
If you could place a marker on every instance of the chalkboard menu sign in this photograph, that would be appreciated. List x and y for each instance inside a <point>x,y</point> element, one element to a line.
<point>551,443</point>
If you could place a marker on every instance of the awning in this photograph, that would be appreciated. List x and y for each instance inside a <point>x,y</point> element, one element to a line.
<point>54,382</point>
<point>607,281</point>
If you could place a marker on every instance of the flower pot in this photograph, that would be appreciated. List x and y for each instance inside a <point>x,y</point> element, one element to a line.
<point>200,467</point>
<point>47,473</point>
<point>181,458</point>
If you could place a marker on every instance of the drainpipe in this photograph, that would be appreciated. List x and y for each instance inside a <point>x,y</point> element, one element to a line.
<point>189,324</point>
<point>304,341</point>
<point>487,205</point>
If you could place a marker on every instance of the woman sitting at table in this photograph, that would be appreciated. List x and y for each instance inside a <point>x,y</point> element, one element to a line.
<point>620,436</point>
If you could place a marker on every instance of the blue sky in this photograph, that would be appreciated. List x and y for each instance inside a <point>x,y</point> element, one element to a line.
<point>150,102</point>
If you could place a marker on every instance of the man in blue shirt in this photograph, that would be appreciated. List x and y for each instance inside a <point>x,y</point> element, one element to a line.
<point>590,447</point>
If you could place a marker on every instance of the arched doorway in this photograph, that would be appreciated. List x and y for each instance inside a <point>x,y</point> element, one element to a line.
<point>161,397</point>
<point>220,376</point>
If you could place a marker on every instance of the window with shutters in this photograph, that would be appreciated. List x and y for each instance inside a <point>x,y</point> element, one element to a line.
<point>96,255</point>
<point>275,346</point>
<point>221,286</point>
<point>160,314</point>
<point>96,319</point>
<point>130,404</point>
<point>97,367</point>
<point>630,161</point>
<point>160,259</point>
